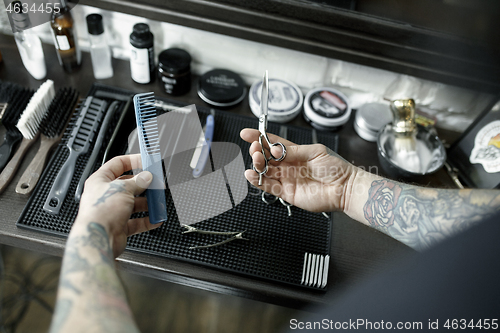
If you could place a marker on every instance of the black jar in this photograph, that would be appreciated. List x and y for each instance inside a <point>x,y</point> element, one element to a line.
<point>221,88</point>
<point>174,71</point>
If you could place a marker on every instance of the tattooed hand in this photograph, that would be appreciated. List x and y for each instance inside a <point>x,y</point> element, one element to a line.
<point>311,177</point>
<point>109,199</point>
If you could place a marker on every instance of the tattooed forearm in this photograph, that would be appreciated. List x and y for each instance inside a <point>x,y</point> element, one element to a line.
<point>114,187</point>
<point>90,296</point>
<point>421,217</point>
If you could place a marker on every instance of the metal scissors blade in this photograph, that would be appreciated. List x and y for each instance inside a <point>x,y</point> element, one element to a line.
<point>263,130</point>
<point>264,98</point>
<point>265,94</point>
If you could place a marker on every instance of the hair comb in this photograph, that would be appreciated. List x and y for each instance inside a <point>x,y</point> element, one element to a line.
<point>149,143</point>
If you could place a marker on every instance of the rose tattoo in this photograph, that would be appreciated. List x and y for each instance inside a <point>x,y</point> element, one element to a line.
<point>383,198</point>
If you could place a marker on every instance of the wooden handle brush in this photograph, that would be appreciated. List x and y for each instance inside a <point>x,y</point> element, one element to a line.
<point>16,99</point>
<point>52,129</point>
<point>28,125</point>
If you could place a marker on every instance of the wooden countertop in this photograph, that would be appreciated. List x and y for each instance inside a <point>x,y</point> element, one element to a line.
<point>356,249</point>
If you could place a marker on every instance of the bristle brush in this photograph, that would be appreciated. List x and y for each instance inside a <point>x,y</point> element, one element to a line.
<point>82,135</point>
<point>147,131</point>
<point>19,98</point>
<point>28,125</point>
<point>52,129</point>
<point>6,90</point>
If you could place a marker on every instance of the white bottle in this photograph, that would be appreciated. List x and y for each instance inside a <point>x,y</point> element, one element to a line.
<point>99,49</point>
<point>31,51</point>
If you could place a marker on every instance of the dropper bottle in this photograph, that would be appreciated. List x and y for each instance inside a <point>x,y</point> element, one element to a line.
<point>99,49</point>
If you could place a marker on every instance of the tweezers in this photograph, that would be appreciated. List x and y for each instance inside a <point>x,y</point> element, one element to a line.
<point>234,234</point>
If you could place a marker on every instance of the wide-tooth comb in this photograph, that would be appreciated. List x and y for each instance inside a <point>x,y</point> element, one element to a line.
<point>147,131</point>
<point>28,124</point>
<point>52,129</point>
<point>17,104</point>
<point>78,144</point>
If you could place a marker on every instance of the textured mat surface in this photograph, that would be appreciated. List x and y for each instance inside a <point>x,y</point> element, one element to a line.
<point>276,245</point>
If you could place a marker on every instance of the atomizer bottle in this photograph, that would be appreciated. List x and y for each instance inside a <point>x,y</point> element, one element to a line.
<point>65,38</point>
<point>142,66</point>
<point>29,45</point>
<point>99,49</point>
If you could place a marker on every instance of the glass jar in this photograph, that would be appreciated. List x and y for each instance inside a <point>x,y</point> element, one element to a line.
<point>174,71</point>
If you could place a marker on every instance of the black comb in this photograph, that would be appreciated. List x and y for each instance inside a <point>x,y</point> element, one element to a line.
<point>19,99</point>
<point>78,144</point>
<point>52,128</point>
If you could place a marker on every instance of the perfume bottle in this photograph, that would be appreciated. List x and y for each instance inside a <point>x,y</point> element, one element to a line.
<point>65,38</point>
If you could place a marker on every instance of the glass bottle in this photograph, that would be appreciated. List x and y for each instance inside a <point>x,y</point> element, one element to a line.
<point>29,45</point>
<point>65,38</point>
<point>31,51</point>
<point>99,49</point>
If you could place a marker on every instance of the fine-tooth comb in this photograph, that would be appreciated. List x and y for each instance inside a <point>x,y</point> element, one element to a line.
<point>78,144</point>
<point>147,131</point>
<point>52,129</point>
<point>28,124</point>
<point>17,104</point>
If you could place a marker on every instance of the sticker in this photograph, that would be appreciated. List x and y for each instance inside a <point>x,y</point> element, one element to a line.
<point>487,147</point>
<point>63,42</point>
<point>140,65</point>
<point>283,97</point>
<point>327,104</point>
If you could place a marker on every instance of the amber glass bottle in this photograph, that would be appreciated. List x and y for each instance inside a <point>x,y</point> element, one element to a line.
<point>65,38</point>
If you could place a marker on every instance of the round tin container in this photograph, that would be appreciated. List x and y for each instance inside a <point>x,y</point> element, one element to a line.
<point>370,119</point>
<point>221,87</point>
<point>326,108</point>
<point>284,103</point>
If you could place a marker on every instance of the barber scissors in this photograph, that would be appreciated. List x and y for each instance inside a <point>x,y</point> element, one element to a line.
<point>263,131</point>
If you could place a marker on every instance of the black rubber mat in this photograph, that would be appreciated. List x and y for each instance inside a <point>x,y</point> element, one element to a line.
<point>277,244</point>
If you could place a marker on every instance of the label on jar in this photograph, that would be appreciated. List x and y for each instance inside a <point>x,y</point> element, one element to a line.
<point>222,81</point>
<point>63,42</point>
<point>140,69</point>
<point>486,149</point>
<point>283,97</point>
<point>169,80</point>
<point>328,104</point>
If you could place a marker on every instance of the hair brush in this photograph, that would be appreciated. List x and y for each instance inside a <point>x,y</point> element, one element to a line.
<point>17,101</point>
<point>28,125</point>
<point>52,129</point>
